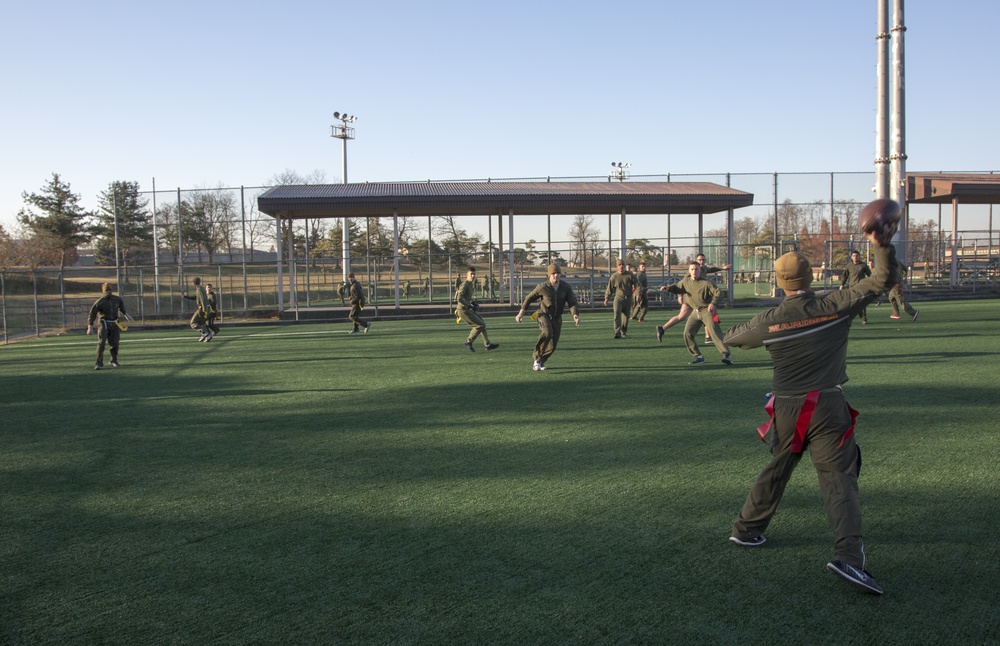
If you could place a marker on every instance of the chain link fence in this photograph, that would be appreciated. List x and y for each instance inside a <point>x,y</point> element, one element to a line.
<point>219,235</point>
<point>41,301</point>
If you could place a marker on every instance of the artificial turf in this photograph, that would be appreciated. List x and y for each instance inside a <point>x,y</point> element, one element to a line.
<point>296,484</point>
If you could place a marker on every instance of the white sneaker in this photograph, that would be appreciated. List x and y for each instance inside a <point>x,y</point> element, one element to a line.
<point>537,366</point>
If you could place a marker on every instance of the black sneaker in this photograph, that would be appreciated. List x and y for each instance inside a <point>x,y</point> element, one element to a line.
<point>468,345</point>
<point>617,335</point>
<point>98,366</point>
<point>727,361</point>
<point>860,579</point>
<point>368,327</point>
<point>756,541</point>
<point>659,334</point>
<point>915,314</point>
<point>114,364</point>
<point>698,359</point>
<point>492,346</point>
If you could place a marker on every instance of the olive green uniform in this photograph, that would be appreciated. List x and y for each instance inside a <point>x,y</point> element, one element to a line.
<point>854,273</point>
<point>621,286</point>
<point>641,296</point>
<point>807,336</point>
<point>896,294</point>
<point>465,296</point>
<point>698,295</point>
<point>105,311</point>
<point>356,294</point>
<point>200,317</point>
<point>553,300</point>
<point>213,312</point>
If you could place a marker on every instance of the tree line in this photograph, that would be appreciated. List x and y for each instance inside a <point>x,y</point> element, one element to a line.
<point>208,225</point>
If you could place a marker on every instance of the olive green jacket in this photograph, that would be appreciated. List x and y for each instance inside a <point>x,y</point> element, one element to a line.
<point>553,299</point>
<point>620,286</point>
<point>697,293</point>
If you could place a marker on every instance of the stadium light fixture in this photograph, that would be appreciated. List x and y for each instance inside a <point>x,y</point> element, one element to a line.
<point>621,172</point>
<point>344,132</point>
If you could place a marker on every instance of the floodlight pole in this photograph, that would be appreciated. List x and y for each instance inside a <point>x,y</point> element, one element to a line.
<point>344,132</point>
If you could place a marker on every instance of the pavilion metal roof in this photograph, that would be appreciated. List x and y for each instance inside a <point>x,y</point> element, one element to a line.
<point>498,197</point>
<point>943,188</point>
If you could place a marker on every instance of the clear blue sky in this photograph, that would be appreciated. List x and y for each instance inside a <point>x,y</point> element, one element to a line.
<point>201,93</point>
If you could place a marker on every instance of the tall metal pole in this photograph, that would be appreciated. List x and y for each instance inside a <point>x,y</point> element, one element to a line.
<point>898,173</point>
<point>156,258</point>
<point>345,237</point>
<point>243,220</point>
<point>180,247</point>
<point>344,132</point>
<point>882,37</point>
<point>114,210</point>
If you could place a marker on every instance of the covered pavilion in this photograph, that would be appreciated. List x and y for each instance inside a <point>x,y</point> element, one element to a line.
<point>954,189</point>
<point>500,198</point>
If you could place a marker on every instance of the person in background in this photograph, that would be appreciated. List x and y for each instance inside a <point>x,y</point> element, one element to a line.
<point>856,271</point>
<point>356,294</point>
<point>467,310</point>
<point>213,312</point>
<point>104,318</point>
<point>700,295</point>
<point>621,286</point>
<point>200,317</point>
<point>554,297</point>
<point>641,305</point>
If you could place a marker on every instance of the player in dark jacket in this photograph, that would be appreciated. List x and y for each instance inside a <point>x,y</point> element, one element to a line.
<point>104,318</point>
<point>807,336</point>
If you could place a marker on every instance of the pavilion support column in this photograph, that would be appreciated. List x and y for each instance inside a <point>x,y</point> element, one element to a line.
<point>730,247</point>
<point>701,232</point>
<point>281,279</point>
<point>954,242</point>
<point>293,291</point>
<point>395,253</point>
<point>621,232</point>
<point>510,253</point>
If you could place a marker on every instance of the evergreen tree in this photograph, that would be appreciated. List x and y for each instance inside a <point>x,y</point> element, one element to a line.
<point>62,224</point>
<point>135,225</point>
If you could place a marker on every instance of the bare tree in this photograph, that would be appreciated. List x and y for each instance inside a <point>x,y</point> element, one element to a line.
<point>585,235</point>
<point>216,219</point>
<point>10,250</point>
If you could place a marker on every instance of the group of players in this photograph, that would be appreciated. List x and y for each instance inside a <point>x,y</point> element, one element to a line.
<point>628,292</point>
<point>109,318</point>
<point>806,336</point>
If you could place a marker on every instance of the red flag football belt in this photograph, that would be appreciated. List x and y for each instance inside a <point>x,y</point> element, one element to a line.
<point>803,421</point>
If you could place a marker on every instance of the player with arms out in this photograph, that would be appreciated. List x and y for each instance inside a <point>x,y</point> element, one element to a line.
<point>807,336</point>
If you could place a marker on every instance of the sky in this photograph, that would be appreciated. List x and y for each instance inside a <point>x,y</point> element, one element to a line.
<point>209,93</point>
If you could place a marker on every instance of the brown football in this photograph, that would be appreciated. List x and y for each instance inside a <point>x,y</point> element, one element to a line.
<point>878,215</point>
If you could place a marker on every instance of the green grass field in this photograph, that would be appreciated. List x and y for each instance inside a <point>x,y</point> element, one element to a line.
<point>294,484</point>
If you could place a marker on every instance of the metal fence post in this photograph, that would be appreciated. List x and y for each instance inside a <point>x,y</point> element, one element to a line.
<point>3,303</point>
